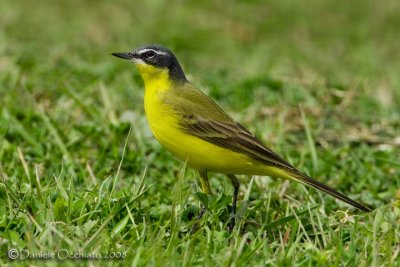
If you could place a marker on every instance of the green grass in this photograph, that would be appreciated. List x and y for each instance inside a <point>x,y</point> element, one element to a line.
<point>80,170</point>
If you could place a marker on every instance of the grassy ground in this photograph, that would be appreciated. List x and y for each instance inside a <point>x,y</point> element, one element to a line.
<point>80,171</point>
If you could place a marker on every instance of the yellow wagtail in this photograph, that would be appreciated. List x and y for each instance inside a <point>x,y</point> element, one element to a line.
<point>195,129</point>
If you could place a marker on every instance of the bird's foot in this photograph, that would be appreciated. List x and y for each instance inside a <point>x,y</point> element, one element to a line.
<point>231,223</point>
<point>196,225</point>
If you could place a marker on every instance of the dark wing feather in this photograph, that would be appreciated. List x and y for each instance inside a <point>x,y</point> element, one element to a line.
<point>233,136</point>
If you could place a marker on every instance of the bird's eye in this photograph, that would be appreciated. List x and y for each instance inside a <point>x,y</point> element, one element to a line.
<point>149,54</point>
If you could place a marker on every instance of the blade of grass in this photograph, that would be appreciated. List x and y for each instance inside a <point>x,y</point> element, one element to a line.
<point>287,219</point>
<point>121,161</point>
<point>310,139</point>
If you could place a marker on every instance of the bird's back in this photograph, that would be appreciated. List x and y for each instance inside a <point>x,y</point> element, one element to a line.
<point>187,99</point>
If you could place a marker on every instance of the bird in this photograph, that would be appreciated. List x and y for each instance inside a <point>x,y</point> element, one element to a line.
<point>195,129</point>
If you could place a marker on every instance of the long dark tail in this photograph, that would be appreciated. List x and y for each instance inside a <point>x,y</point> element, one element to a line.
<point>304,179</point>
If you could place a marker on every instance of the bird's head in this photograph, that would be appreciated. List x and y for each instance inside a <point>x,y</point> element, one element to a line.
<point>155,60</point>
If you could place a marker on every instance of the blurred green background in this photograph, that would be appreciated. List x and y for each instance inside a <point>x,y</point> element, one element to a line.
<point>66,106</point>
<point>339,43</point>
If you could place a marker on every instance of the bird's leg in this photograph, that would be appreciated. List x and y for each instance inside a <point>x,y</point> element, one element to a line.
<point>205,188</point>
<point>236,184</point>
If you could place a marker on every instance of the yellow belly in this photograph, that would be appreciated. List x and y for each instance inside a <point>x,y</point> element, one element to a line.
<point>196,152</point>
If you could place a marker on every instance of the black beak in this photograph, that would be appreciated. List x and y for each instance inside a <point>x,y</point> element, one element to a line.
<point>124,55</point>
